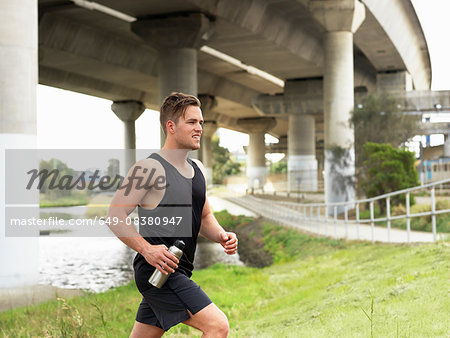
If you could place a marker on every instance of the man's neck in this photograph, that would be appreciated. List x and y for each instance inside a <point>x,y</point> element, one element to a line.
<point>176,156</point>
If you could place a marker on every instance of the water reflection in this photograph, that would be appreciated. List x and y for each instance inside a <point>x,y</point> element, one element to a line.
<point>89,263</point>
<point>98,264</point>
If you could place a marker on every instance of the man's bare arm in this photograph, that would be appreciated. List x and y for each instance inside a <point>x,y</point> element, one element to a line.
<point>212,230</point>
<point>122,204</point>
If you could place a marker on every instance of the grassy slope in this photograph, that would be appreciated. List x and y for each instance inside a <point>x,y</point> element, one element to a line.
<point>315,289</point>
<point>323,296</point>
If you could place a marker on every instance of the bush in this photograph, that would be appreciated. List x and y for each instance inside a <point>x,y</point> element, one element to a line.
<point>279,167</point>
<point>387,169</point>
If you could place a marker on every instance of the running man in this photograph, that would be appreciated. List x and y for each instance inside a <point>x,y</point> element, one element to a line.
<point>174,184</point>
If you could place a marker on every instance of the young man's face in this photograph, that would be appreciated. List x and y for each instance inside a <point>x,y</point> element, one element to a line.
<point>189,128</point>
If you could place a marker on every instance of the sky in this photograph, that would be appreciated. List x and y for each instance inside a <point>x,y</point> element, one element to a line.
<point>68,120</point>
<point>433,16</point>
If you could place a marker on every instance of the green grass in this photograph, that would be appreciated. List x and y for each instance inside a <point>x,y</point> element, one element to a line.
<point>77,198</point>
<point>287,244</point>
<point>98,206</point>
<point>109,314</point>
<point>424,223</point>
<point>230,221</point>
<point>316,288</point>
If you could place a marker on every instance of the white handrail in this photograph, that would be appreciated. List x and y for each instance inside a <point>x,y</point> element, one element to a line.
<point>302,215</point>
<point>368,200</point>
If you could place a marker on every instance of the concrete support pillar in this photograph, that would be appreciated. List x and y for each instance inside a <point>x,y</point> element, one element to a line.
<point>447,146</point>
<point>19,261</point>
<point>300,100</point>
<point>256,160</point>
<point>177,38</point>
<point>128,112</point>
<point>177,71</point>
<point>302,163</point>
<point>209,128</point>
<point>340,18</point>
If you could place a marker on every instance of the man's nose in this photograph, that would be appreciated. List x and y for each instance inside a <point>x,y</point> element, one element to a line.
<point>199,127</point>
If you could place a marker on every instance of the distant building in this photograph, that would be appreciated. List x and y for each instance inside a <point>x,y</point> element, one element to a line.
<point>434,170</point>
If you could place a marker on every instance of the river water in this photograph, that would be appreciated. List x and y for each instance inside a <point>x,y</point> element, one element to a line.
<point>97,264</point>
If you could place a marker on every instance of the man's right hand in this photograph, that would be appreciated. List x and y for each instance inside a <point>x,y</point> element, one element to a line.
<point>160,257</point>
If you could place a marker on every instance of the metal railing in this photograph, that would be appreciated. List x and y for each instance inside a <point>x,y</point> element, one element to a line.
<point>317,217</point>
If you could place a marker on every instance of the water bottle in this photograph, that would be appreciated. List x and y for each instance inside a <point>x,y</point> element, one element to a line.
<point>158,279</point>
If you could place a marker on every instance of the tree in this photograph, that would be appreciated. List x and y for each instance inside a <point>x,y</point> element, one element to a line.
<point>113,171</point>
<point>279,167</point>
<point>62,173</point>
<point>386,169</point>
<point>379,119</point>
<point>222,164</point>
<point>113,167</point>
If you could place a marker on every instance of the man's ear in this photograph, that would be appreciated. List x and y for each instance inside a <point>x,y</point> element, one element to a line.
<point>170,126</point>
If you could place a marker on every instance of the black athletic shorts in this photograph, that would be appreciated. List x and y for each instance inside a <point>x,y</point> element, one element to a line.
<point>167,307</point>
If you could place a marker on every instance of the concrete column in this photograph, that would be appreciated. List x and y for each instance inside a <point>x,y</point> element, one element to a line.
<point>128,112</point>
<point>177,38</point>
<point>19,261</point>
<point>340,18</point>
<point>209,128</point>
<point>447,146</point>
<point>301,99</point>
<point>256,160</point>
<point>302,163</point>
<point>256,168</point>
<point>177,71</point>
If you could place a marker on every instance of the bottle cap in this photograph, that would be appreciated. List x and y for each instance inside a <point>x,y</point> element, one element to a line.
<point>179,244</point>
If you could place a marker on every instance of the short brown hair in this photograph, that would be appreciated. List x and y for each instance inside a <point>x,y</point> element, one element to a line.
<point>174,106</point>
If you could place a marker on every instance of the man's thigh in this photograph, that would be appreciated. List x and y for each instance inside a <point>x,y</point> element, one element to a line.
<point>209,316</point>
<point>141,330</point>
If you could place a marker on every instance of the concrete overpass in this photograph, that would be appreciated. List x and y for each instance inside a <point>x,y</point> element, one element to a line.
<point>85,47</point>
<point>135,52</point>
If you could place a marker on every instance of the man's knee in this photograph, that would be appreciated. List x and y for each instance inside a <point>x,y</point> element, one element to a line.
<point>219,326</point>
<point>211,321</point>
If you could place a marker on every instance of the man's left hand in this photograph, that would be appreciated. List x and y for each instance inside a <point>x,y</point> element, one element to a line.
<point>229,242</point>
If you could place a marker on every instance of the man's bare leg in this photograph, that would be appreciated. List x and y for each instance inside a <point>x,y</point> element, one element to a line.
<point>141,330</point>
<point>211,321</point>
